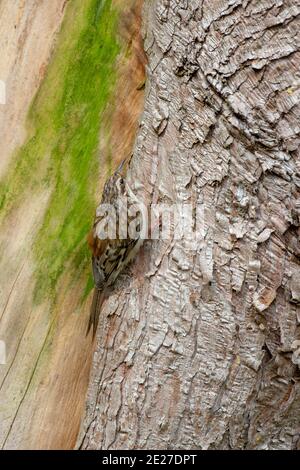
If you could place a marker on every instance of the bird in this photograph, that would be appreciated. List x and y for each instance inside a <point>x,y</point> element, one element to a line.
<point>111,254</point>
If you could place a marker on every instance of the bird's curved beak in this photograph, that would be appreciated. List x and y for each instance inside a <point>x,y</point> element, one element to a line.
<point>120,167</point>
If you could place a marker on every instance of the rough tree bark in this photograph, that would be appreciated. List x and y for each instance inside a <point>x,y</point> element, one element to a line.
<point>199,345</point>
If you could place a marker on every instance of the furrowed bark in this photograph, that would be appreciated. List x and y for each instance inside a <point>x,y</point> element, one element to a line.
<point>199,345</point>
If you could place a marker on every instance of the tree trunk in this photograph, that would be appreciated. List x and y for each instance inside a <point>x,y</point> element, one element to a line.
<point>199,344</point>
<point>45,369</point>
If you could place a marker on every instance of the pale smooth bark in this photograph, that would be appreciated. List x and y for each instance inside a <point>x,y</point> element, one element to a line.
<point>199,344</point>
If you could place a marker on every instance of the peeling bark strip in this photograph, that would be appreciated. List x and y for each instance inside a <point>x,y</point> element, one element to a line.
<point>199,348</point>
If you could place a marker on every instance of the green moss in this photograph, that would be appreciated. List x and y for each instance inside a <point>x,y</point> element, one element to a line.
<point>61,150</point>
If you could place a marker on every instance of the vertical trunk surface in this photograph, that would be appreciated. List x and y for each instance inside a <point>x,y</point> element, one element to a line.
<point>199,344</point>
<point>45,373</point>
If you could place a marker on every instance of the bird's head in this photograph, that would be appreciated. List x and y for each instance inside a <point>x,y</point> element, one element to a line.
<point>115,186</point>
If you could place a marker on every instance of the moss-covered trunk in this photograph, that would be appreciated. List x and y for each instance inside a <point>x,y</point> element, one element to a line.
<point>48,193</point>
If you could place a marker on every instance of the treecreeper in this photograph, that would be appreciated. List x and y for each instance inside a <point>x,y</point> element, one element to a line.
<point>115,238</point>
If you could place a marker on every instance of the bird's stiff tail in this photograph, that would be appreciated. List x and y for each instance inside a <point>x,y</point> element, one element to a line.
<point>97,302</point>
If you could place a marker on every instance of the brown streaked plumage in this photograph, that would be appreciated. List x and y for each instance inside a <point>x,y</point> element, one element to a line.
<point>110,255</point>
